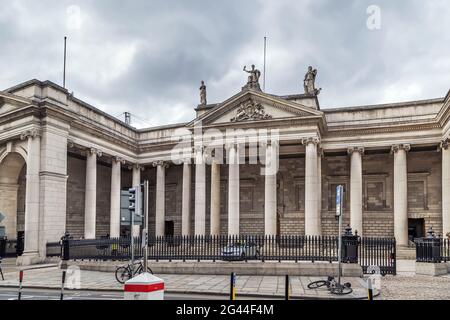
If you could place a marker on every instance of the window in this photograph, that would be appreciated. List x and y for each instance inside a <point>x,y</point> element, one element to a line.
<point>418,190</point>
<point>374,193</point>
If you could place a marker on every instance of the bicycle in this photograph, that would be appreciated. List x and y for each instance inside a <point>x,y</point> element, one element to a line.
<point>1,271</point>
<point>128,271</point>
<point>332,286</point>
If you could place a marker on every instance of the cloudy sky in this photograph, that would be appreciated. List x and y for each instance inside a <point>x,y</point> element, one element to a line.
<point>148,57</point>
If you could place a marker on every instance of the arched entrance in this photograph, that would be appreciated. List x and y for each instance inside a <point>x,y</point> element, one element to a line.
<point>12,193</point>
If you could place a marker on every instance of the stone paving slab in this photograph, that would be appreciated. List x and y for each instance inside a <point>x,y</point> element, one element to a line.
<point>267,286</point>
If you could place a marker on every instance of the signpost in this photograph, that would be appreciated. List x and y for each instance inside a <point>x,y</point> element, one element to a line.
<point>145,229</point>
<point>339,211</point>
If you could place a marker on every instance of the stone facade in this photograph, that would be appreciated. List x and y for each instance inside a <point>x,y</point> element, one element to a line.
<point>391,159</point>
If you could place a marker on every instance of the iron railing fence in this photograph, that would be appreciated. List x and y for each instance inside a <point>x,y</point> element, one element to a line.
<point>365,251</point>
<point>54,249</point>
<point>10,248</point>
<point>432,250</point>
<point>377,253</point>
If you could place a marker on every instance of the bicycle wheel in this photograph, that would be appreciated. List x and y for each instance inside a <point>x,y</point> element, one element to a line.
<point>139,271</point>
<point>122,274</point>
<point>341,290</point>
<point>317,284</point>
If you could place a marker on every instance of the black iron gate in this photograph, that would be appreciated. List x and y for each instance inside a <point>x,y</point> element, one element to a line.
<point>377,255</point>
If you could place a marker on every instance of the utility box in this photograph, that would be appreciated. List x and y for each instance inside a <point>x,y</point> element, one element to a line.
<point>349,246</point>
<point>144,287</point>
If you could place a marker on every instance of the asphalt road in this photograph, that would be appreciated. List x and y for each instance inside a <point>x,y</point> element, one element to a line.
<point>52,294</point>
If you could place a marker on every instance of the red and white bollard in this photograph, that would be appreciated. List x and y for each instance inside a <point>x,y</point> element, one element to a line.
<point>144,287</point>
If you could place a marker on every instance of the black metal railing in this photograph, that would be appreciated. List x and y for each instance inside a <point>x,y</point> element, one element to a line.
<point>377,253</point>
<point>54,249</point>
<point>432,249</point>
<point>10,248</point>
<point>366,251</point>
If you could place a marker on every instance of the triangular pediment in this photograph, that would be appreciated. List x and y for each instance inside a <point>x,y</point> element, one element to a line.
<point>249,105</point>
<point>9,102</point>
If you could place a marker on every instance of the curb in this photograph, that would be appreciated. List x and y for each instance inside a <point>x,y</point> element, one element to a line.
<point>255,295</point>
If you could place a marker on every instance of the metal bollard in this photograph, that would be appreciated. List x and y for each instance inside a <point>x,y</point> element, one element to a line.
<point>369,290</point>
<point>233,286</point>
<point>63,281</point>
<point>20,284</point>
<point>286,288</point>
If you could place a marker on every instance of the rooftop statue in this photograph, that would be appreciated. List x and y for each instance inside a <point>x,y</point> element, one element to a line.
<point>253,78</point>
<point>202,93</point>
<point>309,82</point>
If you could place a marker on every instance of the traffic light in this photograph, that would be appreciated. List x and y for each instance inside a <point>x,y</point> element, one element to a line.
<point>135,201</point>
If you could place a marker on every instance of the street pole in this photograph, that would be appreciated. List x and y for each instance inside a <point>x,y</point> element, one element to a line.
<point>339,212</point>
<point>145,229</point>
<point>137,188</point>
<point>340,251</point>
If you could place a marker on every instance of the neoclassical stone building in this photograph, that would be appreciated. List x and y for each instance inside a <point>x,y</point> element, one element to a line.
<point>64,163</point>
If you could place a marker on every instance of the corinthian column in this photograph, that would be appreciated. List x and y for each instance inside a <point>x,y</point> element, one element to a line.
<point>186,199</point>
<point>114,223</point>
<point>30,253</point>
<point>160,197</point>
<point>233,190</point>
<point>270,192</point>
<point>312,215</point>
<point>215,197</point>
<point>356,218</point>
<point>445,187</point>
<point>200,192</point>
<point>90,196</point>
<point>400,193</point>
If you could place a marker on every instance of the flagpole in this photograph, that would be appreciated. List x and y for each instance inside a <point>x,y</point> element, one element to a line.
<point>64,71</point>
<point>264,68</point>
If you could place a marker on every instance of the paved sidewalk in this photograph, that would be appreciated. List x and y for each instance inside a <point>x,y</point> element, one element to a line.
<point>267,286</point>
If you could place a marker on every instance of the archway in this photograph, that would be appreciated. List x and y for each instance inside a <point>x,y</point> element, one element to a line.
<point>12,193</point>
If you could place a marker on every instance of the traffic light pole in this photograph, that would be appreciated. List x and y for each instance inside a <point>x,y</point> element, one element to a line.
<point>339,212</point>
<point>145,229</point>
<point>132,236</point>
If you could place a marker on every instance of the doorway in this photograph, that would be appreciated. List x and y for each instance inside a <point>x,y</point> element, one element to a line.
<point>416,228</point>
<point>169,228</point>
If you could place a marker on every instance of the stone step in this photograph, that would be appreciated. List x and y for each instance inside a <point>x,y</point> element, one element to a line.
<point>406,253</point>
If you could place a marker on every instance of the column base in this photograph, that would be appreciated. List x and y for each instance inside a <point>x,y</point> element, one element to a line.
<point>29,258</point>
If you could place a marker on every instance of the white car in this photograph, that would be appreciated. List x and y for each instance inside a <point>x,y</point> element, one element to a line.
<point>240,251</point>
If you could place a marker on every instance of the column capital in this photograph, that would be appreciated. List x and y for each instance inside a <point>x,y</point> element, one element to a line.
<point>444,144</point>
<point>118,159</point>
<point>95,151</point>
<point>231,144</point>
<point>32,133</point>
<point>403,146</point>
<point>199,147</point>
<point>137,166</point>
<point>187,160</point>
<point>160,163</point>
<point>308,140</point>
<point>70,143</point>
<point>266,143</point>
<point>320,152</point>
<point>352,149</point>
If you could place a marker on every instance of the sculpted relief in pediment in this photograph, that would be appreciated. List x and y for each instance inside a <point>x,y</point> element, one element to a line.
<point>250,110</point>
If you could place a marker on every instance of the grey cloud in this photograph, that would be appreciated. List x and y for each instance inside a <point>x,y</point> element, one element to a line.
<point>148,57</point>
